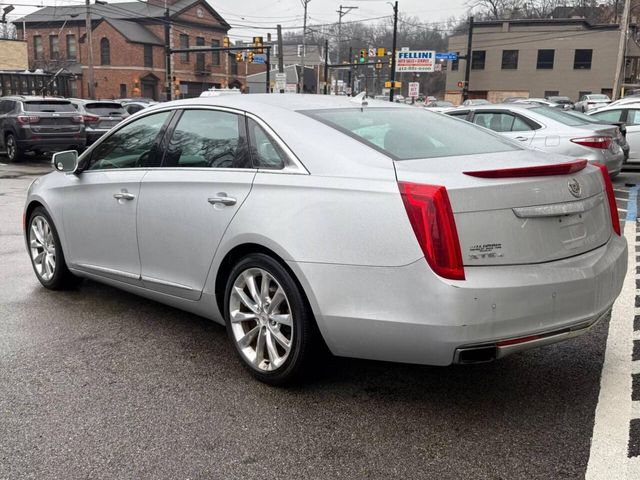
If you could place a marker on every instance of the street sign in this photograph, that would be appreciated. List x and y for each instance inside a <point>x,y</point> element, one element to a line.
<point>281,81</point>
<point>414,89</point>
<point>415,61</point>
<point>259,58</point>
<point>381,52</point>
<point>372,52</point>
<point>388,85</point>
<point>446,56</point>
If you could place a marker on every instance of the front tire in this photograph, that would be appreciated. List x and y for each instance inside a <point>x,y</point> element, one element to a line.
<point>268,321</point>
<point>45,251</point>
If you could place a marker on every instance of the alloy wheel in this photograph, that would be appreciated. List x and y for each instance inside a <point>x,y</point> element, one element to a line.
<point>261,319</point>
<point>11,147</point>
<point>43,248</point>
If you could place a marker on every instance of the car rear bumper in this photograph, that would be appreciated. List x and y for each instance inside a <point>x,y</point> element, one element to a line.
<point>407,314</point>
<point>53,144</point>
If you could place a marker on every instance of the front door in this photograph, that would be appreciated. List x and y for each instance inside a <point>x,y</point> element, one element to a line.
<point>100,211</point>
<point>186,205</point>
<point>633,133</point>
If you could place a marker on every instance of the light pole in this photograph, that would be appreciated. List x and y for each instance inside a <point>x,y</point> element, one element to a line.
<point>304,42</point>
<point>393,50</point>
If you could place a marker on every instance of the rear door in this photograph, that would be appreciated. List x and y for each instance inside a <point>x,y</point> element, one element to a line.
<point>506,123</point>
<point>186,205</point>
<point>632,121</point>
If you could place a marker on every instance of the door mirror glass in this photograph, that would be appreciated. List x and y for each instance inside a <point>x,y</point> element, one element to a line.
<point>65,161</point>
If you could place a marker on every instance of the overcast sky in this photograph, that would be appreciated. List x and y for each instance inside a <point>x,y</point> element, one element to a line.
<point>289,13</point>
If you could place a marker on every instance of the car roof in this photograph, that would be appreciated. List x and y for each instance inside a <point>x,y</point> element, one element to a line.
<point>30,98</point>
<point>502,106</point>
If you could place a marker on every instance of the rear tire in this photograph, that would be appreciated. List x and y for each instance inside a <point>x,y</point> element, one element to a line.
<point>45,252</point>
<point>14,152</point>
<point>268,321</point>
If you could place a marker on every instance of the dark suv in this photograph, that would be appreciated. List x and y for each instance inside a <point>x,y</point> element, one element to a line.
<point>39,124</point>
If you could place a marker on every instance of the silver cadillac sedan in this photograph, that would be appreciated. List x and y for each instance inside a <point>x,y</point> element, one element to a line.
<point>385,231</point>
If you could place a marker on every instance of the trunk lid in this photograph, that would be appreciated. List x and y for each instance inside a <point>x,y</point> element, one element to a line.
<point>109,113</point>
<point>515,221</point>
<point>54,116</point>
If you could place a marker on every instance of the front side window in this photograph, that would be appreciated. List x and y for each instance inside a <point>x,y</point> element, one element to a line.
<point>582,59</point>
<point>37,47</point>
<point>477,59</point>
<point>131,146</point>
<point>608,116</point>
<point>509,59</point>
<point>72,47</point>
<point>405,134</point>
<point>54,48</point>
<point>208,139</point>
<point>105,52</point>
<point>545,59</point>
<point>265,152</point>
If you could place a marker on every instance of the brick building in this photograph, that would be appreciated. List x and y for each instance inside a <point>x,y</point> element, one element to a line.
<point>128,47</point>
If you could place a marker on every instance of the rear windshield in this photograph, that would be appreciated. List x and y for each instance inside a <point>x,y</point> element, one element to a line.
<point>105,109</point>
<point>560,116</point>
<point>410,133</point>
<point>598,97</point>
<point>48,106</point>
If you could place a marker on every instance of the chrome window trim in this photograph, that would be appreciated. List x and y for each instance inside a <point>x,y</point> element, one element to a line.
<point>293,164</point>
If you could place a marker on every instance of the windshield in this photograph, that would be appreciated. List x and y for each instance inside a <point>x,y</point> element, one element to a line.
<point>560,116</point>
<point>407,133</point>
<point>48,106</point>
<point>105,109</point>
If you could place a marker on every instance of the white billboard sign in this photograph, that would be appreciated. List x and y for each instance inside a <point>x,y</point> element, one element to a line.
<point>415,61</point>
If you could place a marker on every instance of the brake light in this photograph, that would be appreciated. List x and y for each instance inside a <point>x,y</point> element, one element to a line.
<point>593,142</point>
<point>538,171</point>
<point>431,218</point>
<point>90,118</point>
<point>27,119</point>
<point>77,119</point>
<point>613,208</point>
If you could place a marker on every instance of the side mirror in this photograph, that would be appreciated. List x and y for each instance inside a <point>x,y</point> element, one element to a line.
<point>66,161</point>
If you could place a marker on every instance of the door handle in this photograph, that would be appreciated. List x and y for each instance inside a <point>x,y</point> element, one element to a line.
<point>223,199</point>
<point>522,139</point>
<point>124,196</point>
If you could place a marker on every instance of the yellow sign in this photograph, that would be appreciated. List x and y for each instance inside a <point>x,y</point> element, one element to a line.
<point>388,85</point>
<point>380,52</point>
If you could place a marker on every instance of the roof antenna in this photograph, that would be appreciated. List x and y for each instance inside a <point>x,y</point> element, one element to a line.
<point>360,99</point>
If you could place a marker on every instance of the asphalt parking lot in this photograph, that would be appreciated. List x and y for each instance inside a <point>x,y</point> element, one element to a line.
<point>98,383</point>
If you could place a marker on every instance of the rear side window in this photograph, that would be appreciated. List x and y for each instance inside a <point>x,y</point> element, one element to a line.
<point>208,139</point>
<point>409,133</point>
<point>633,117</point>
<point>48,106</point>
<point>265,151</point>
<point>608,116</point>
<point>105,109</point>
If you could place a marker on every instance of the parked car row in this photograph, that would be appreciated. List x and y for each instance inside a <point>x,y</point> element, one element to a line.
<point>49,124</point>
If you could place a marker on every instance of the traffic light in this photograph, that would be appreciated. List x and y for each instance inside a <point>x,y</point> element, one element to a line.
<point>250,56</point>
<point>238,57</point>
<point>363,55</point>
<point>379,65</point>
<point>225,42</point>
<point>257,42</point>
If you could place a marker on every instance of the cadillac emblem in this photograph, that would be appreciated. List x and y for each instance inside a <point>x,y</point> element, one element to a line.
<point>574,188</point>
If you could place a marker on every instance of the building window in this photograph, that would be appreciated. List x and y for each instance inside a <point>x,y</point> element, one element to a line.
<point>72,47</point>
<point>215,56</point>
<point>148,56</point>
<point>477,59</point>
<point>184,43</point>
<point>545,59</point>
<point>37,47</point>
<point>509,59</point>
<point>54,50</point>
<point>455,64</point>
<point>274,50</point>
<point>300,50</point>
<point>551,93</point>
<point>200,56</point>
<point>123,90</point>
<point>105,52</point>
<point>582,59</point>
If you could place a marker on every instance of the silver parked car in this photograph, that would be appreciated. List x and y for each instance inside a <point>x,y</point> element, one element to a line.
<point>629,113</point>
<point>591,102</point>
<point>99,116</point>
<point>390,232</point>
<point>551,130</point>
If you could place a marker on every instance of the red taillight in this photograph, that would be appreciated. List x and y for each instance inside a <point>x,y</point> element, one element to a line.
<point>26,119</point>
<point>77,119</point>
<point>431,218</point>
<point>90,118</point>
<point>538,171</point>
<point>594,142</point>
<point>613,208</point>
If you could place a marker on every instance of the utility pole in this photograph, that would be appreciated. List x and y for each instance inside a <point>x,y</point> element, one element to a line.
<point>350,69</point>
<point>92,82</point>
<point>304,43</point>
<point>342,11</point>
<point>280,52</point>
<point>167,54</point>
<point>622,47</point>
<point>326,65</point>
<point>393,51</point>
<point>467,67</point>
